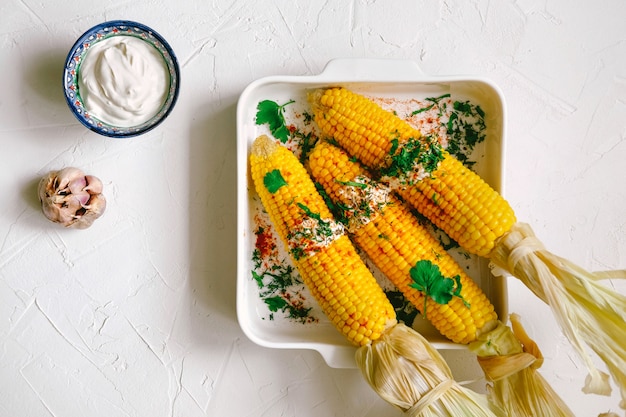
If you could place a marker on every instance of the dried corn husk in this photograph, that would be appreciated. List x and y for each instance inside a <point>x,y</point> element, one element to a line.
<point>510,360</point>
<point>588,312</point>
<point>406,371</point>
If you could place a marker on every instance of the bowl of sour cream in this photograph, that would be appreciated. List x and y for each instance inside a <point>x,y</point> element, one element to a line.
<point>121,79</point>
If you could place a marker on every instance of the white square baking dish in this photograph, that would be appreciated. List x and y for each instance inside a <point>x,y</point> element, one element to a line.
<point>389,80</point>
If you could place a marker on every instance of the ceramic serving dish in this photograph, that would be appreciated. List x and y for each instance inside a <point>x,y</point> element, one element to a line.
<point>274,309</point>
<point>76,57</point>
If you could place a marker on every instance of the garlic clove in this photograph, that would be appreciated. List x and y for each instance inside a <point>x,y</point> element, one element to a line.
<point>76,185</point>
<point>71,198</point>
<point>94,185</point>
<point>94,209</point>
<point>82,198</point>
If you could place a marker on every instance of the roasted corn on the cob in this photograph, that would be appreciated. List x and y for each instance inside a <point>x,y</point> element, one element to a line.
<point>397,243</point>
<point>404,250</point>
<point>453,197</point>
<point>416,379</point>
<point>460,203</point>
<point>324,255</point>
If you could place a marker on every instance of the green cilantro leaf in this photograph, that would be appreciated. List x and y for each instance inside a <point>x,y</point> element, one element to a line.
<point>309,213</point>
<point>275,303</point>
<point>273,180</point>
<point>258,278</point>
<point>428,279</point>
<point>271,113</point>
<point>353,184</point>
<point>422,110</point>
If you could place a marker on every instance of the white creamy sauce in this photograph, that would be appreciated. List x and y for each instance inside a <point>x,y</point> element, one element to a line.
<point>123,81</point>
<point>310,237</point>
<point>365,202</point>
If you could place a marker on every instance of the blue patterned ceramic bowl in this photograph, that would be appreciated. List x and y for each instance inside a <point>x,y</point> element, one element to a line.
<point>75,58</point>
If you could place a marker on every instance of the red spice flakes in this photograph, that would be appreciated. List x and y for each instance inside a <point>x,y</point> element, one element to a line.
<point>280,286</point>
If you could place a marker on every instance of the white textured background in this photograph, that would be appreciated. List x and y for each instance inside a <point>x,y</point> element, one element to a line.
<point>136,315</point>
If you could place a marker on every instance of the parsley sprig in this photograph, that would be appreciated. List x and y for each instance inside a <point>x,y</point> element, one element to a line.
<point>270,112</point>
<point>273,180</point>
<point>428,279</point>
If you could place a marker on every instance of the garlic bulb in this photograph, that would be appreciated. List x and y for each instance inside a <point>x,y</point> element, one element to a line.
<point>71,198</point>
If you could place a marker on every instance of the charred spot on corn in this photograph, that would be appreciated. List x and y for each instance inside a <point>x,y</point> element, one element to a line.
<point>273,181</point>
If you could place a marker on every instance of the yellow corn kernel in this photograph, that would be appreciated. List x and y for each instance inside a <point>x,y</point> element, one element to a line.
<point>348,118</point>
<point>453,197</point>
<point>325,257</point>
<point>484,214</point>
<point>395,241</point>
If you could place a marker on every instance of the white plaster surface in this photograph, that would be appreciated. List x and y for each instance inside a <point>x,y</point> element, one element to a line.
<point>136,315</point>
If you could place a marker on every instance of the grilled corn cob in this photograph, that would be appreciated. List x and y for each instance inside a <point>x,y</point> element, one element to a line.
<point>398,244</point>
<point>460,203</point>
<point>414,378</point>
<point>429,178</point>
<point>324,255</point>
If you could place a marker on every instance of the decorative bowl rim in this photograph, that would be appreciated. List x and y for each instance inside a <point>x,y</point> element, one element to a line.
<point>96,34</point>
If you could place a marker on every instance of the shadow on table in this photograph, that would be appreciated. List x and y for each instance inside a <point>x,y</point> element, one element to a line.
<point>43,87</point>
<point>213,209</point>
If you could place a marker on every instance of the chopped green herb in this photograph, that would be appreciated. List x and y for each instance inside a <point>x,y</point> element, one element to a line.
<point>353,184</point>
<point>324,227</point>
<point>294,309</point>
<point>466,128</point>
<point>280,286</point>
<point>422,110</point>
<point>307,142</point>
<point>308,212</point>
<point>275,303</point>
<point>297,253</point>
<point>333,141</point>
<point>435,102</point>
<point>307,239</point>
<point>425,151</point>
<point>465,125</point>
<point>405,310</point>
<point>258,278</point>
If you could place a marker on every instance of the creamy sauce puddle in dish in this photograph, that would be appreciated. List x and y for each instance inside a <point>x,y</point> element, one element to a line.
<point>123,81</point>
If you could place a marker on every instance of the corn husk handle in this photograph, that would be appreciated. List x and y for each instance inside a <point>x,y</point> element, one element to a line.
<point>407,372</point>
<point>510,360</point>
<point>591,315</point>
